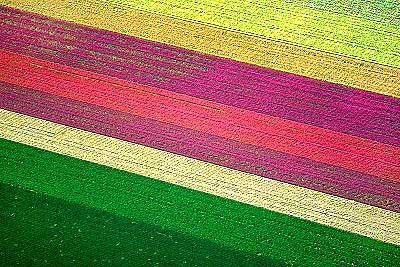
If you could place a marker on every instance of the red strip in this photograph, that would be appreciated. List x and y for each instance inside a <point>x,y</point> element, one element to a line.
<point>241,125</point>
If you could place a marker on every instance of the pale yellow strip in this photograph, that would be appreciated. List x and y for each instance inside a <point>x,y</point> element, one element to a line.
<point>221,42</point>
<point>198,175</point>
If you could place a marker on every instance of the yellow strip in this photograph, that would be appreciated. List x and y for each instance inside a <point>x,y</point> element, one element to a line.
<point>202,176</point>
<point>221,42</point>
<point>278,19</point>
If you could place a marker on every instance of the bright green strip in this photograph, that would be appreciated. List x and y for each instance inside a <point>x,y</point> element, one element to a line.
<point>235,225</point>
<point>386,11</point>
<point>37,229</point>
<point>322,30</point>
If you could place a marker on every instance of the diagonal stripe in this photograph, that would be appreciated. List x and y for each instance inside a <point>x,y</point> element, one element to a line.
<point>228,122</point>
<point>270,194</point>
<point>335,33</point>
<point>238,46</point>
<point>266,91</point>
<point>221,151</point>
<point>251,230</point>
<point>33,222</point>
<point>386,11</point>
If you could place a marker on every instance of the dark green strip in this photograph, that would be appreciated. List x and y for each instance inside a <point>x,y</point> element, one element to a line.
<point>242,227</point>
<point>36,229</point>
